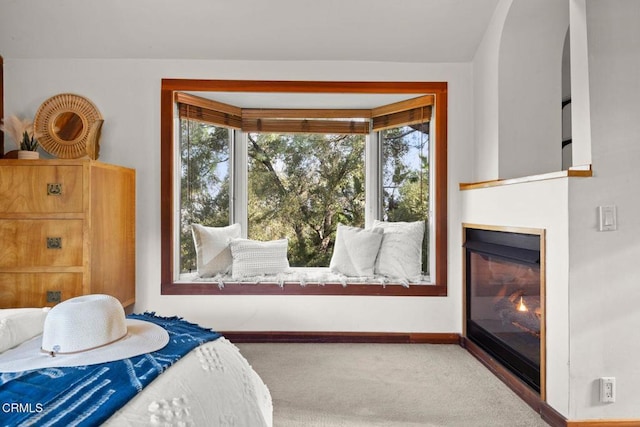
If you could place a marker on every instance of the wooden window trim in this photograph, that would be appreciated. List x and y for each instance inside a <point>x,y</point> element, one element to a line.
<point>167,92</point>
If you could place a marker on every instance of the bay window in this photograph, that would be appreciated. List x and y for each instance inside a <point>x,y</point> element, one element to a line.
<point>299,173</point>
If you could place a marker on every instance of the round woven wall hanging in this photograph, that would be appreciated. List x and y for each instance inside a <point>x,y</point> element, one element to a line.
<point>62,124</point>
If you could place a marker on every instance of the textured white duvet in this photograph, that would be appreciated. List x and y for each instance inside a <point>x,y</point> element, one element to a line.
<point>213,385</point>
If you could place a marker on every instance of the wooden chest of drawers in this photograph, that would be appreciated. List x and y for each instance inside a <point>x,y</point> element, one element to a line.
<point>67,228</point>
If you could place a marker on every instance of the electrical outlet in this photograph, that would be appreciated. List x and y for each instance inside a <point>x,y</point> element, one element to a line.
<point>607,389</point>
<point>54,296</point>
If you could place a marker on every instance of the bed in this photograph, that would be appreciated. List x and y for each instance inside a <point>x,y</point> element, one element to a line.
<point>212,384</point>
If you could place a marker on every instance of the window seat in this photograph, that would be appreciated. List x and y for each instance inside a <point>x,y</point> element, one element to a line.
<point>302,281</point>
<point>303,276</point>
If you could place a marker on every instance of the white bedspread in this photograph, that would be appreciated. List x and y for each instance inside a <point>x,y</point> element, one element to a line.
<point>213,385</point>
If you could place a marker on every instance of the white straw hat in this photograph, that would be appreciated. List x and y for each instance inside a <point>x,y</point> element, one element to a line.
<point>85,330</point>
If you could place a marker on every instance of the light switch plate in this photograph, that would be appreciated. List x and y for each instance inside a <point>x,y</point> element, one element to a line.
<point>607,218</point>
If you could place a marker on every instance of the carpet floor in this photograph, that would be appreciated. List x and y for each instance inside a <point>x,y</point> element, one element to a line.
<point>352,385</point>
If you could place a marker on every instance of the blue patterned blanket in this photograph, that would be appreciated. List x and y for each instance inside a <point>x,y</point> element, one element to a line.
<point>88,395</point>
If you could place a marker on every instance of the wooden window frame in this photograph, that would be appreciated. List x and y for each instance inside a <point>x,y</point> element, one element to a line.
<point>169,87</point>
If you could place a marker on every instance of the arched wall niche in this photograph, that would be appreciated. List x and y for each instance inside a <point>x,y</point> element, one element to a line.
<point>530,88</point>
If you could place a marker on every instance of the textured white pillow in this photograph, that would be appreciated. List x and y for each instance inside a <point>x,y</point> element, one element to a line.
<point>400,254</point>
<point>355,250</point>
<point>255,258</point>
<point>18,325</point>
<point>212,248</point>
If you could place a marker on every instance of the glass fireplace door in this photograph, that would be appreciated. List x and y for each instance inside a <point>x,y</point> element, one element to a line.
<point>504,312</point>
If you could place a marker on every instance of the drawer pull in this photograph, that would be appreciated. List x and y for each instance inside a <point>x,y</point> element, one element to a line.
<point>54,242</point>
<point>54,189</point>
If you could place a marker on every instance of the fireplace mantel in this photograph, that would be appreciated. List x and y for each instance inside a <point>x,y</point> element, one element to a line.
<point>577,172</point>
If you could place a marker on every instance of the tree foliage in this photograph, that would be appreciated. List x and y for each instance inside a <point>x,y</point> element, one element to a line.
<point>300,186</point>
<point>405,173</point>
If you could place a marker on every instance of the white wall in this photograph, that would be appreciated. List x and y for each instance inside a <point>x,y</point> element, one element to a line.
<point>580,99</point>
<point>567,159</point>
<point>127,92</point>
<point>604,281</point>
<point>592,283</point>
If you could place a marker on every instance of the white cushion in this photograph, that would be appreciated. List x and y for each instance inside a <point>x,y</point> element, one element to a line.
<point>355,250</point>
<point>18,325</point>
<point>256,258</point>
<point>212,248</point>
<point>400,254</point>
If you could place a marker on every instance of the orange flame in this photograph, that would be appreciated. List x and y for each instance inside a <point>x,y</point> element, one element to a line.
<point>521,306</point>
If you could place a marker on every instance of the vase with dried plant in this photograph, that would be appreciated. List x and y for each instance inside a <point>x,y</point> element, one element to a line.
<point>21,130</point>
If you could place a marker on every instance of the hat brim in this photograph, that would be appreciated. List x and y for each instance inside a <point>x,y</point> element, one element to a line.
<point>142,337</point>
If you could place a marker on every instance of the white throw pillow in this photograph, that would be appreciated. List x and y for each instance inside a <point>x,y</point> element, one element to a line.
<point>212,248</point>
<point>255,258</point>
<point>18,325</point>
<point>400,254</point>
<point>355,250</point>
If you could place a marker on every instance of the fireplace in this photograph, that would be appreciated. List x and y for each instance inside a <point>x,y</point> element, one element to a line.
<point>504,313</point>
